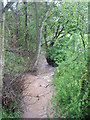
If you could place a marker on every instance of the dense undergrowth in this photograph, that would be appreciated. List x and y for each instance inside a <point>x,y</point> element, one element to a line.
<point>10,114</point>
<point>13,63</point>
<point>14,67</point>
<point>58,51</point>
<point>72,88</point>
<point>71,95</point>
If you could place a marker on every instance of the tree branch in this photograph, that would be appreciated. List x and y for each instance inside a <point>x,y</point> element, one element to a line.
<point>9,4</point>
<point>14,13</point>
<point>44,18</point>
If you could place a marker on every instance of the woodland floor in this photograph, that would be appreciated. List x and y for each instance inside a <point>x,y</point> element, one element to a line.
<point>38,90</point>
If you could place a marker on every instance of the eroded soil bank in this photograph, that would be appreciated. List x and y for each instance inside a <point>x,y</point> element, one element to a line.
<point>38,91</point>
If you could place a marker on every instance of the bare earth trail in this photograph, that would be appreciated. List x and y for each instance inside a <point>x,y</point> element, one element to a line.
<point>39,90</point>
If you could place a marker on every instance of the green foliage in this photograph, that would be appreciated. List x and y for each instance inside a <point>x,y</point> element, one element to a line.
<point>10,114</point>
<point>11,111</point>
<point>13,63</point>
<point>70,98</point>
<point>64,18</point>
<point>57,51</point>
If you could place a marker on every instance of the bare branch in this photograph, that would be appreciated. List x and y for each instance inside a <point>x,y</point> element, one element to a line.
<point>9,4</point>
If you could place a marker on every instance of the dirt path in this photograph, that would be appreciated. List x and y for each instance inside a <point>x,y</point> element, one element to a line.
<point>39,91</point>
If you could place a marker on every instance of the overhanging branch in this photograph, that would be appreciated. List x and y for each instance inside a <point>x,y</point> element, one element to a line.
<point>44,18</point>
<point>9,4</point>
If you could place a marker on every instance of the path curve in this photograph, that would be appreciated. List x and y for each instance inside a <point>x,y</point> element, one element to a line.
<point>38,90</point>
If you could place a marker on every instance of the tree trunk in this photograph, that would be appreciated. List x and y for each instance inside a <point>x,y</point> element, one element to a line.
<point>45,36</point>
<point>82,37</point>
<point>39,31</point>
<point>26,35</point>
<point>17,21</point>
<point>38,36</point>
<point>2,18</point>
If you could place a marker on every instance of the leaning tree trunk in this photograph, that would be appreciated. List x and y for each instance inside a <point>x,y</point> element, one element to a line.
<point>38,36</point>
<point>39,31</point>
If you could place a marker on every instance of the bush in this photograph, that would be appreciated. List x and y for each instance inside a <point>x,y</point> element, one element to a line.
<point>57,52</point>
<point>6,113</point>
<point>70,98</point>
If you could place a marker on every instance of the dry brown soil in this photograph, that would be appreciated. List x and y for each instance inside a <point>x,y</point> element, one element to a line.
<point>38,91</point>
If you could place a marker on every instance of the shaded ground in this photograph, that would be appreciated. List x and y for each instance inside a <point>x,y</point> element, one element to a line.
<point>38,90</point>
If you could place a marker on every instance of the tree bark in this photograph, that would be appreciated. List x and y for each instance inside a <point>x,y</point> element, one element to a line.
<point>45,37</point>
<point>2,18</point>
<point>82,37</point>
<point>26,35</point>
<point>38,37</point>
<point>17,21</point>
<point>39,31</point>
<point>0,63</point>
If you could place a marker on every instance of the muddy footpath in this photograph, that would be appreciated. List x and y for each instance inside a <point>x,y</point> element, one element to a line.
<point>38,91</point>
